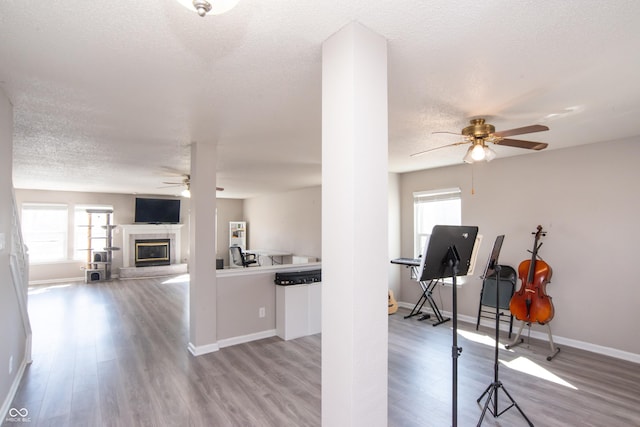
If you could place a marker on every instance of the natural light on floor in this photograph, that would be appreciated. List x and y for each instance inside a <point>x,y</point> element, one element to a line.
<point>481,338</point>
<point>178,279</point>
<point>525,365</point>
<point>521,364</point>
<point>42,289</point>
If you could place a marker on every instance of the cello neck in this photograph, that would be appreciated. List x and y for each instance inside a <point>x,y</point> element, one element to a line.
<point>534,255</point>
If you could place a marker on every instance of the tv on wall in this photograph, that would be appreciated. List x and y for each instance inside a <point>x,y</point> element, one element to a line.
<point>157,211</point>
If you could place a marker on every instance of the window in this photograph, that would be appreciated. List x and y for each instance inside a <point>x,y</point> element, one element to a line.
<point>44,227</point>
<point>436,207</point>
<point>81,230</point>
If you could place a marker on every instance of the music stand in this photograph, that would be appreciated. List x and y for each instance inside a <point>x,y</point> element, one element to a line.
<point>494,268</point>
<point>492,262</point>
<point>449,255</point>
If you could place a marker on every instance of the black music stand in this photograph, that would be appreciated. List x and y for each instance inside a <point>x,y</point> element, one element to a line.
<point>448,254</point>
<point>494,268</point>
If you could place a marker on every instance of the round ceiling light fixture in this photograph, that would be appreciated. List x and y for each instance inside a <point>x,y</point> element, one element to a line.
<point>204,7</point>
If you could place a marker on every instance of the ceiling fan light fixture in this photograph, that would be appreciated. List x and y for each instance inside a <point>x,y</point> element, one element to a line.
<point>477,152</point>
<point>213,7</point>
<point>489,154</point>
<point>467,157</point>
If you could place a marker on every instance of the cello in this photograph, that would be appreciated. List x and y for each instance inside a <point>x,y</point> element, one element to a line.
<point>531,303</point>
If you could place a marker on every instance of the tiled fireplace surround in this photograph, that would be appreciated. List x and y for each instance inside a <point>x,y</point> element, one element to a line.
<point>131,232</point>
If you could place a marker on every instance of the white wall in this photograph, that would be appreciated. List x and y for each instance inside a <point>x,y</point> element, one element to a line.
<point>586,198</point>
<point>12,334</point>
<point>289,221</point>
<point>272,218</point>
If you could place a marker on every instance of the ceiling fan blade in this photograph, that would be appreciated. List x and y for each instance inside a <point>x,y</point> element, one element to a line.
<point>450,133</point>
<point>438,148</point>
<point>181,185</point>
<point>530,145</point>
<point>174,171</point>
<point>520,131</point>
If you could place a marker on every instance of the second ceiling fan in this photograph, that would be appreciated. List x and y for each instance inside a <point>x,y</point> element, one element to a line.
<point>186,182</point>
<point>478,133</point>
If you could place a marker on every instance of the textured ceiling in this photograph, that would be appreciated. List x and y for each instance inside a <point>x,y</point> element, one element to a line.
<point>108,95</point>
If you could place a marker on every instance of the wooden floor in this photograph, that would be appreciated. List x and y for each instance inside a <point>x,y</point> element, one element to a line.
<point>115,354</point>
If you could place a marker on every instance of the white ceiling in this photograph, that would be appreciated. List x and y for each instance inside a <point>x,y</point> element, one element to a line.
<point>108,95</point>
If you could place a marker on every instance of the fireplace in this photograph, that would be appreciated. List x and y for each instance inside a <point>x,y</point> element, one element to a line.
<point>150,252</point>
<point>151,233</point>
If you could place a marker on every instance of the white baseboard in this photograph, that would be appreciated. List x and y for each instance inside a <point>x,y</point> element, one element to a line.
<point>55,281</point>
<point>6,405</point>
<point>228,342</point>
<point>67,280</point>
<point>203,349</point>
<point>542,335</point>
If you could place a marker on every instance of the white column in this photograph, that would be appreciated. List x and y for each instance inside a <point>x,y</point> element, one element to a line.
<point>202,256</point>
<point>354,228</point>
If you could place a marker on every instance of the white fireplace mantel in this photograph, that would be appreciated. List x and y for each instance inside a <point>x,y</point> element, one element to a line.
<point>129,230</point>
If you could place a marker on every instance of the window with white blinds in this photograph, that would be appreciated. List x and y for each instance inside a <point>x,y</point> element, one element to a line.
<point>45,231</point>
<point>435,207</point>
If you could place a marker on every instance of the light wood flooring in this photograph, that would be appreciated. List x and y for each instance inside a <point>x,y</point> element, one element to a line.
<point>115,354</point>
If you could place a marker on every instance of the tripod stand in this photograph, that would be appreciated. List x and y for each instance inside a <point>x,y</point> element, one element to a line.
<point>492,391</point>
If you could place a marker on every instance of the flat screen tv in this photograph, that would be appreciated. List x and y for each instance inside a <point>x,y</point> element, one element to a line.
<point>157,211</point>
